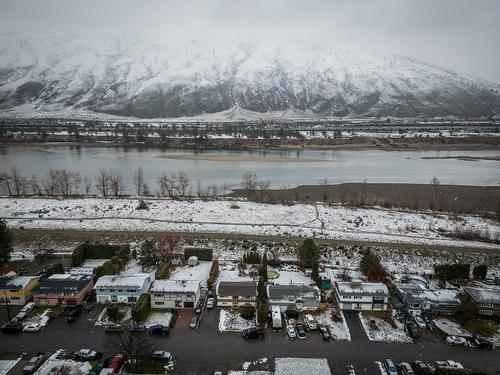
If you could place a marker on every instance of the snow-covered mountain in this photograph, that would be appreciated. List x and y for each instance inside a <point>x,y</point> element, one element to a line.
<point>149,79</point>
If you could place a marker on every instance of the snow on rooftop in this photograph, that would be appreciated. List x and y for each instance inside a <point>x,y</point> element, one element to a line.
<point>362,288</point>
<point>133,282</point>
<point>176,286</point>
<point>484,295</point>
<point>17,281</point>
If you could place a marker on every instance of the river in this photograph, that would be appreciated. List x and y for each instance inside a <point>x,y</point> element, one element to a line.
<point>282,168</point>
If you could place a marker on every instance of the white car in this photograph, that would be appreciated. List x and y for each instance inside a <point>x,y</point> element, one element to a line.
<point>448,365</point>
<point>87,354</point>
<point>33,327</point>
<point>161,355</point>
<point>290,330</point>
<point>310,322</point>
<point>456,340</point>
<point>419,322</point>
<point>210,303</point>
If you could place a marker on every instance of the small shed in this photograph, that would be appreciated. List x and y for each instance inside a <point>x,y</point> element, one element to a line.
<point>193,261</point>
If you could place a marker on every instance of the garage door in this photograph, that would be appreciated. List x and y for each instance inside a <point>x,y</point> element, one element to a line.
<point>347,306</point>
<point>188,305</point>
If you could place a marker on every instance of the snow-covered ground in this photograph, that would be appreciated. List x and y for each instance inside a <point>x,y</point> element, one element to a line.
<point>230,321</point>
<point>228,271</point>
<point>251,218</point>
<point>290,277</point>
<point>158,317</point>
<point>42,320</point>
<point>200,272</point>
<point>7,364</point>
<point>451,328</point>
<point>339,330</point>
<point>103,319</point>
<point>131,268</point>
<point>300,366</point>
<point>385,332</point>
<point>247,364</point>
<point>56,362</point>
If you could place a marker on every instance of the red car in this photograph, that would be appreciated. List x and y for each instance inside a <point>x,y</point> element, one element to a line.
<point>116,363</point>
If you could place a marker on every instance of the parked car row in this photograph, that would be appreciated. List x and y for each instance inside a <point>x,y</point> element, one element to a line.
<point>475,342</point>
<point>419,367</point>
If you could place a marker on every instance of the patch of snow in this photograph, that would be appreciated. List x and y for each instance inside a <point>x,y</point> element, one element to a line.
<point>385,331</point>
<point>230,321</point>
<point>7,364</point>
<point>300,366</point>
<point>339,330</point>
<point>156,317</point>
<point>450,328</point>
<point>57,361</point>
<point>200,272</point>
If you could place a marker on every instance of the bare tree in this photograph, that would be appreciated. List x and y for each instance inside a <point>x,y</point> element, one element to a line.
<point>102,181</point>
<point>139,180</point>
<point>35,186</point>
<point>171,184</point>
<point>76,180</point>
<point>5,180</point>
<point>133,346</point>
<point>50,183</point>
<point>164,247</point>
<point>249,183</point>
<point>263,186</point>
<point>17,179</point>
<point>182,183</point>
<point>162,183</point>
<point>87,185</point>
<point>435,192</point>
<point>116,182</point>
<point>325,191</point>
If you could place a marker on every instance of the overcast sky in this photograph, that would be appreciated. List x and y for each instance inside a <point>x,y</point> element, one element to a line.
<point>456,34</point>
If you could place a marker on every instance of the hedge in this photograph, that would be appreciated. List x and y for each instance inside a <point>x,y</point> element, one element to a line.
<point>252,257</point>
<point>98,251</point>
<point>201,253</point>
<point>446,272</point>
<point>142,308</point>
<point>214,274</point>
<point>55,268</point>
<point>111,267</point>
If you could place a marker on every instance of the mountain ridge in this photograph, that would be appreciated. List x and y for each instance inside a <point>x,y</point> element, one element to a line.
<point>142,78</point>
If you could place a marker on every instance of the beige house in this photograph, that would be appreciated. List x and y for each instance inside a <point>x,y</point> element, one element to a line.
<point>175,294</point>
<point>236,293</point>
<point>62,290</point>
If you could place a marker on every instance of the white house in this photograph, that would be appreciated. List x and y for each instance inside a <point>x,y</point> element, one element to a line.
<point>294,297</point>
<point>193,261</point>
<point>174,294</point>
<point>126,289</point>
<point>362,296</point>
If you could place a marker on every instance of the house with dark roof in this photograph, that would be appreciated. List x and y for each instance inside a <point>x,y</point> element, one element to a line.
<point>17,290</point>
<point>486,301</point>
<point>417,298</point>
<point>62,290</point>
<point>236,293</point>
<point>362,296</point>
<point>294,297</point>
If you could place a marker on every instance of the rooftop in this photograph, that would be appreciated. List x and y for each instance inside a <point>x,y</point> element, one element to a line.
<point>362,288</point>
<point>292,292</point>
<point>15,282</point>
<point>484,295</point>
<point>176,286</point>
<point>63,283</point>
<point>236,288</point>
<point>419,291</point>
<point>127,282</point>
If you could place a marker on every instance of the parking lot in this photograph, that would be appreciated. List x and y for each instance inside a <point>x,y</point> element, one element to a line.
<point>204,349</point>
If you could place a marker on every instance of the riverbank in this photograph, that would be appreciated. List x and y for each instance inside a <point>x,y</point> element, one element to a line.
<point>247,218</point>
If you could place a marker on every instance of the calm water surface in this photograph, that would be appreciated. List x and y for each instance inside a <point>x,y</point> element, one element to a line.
<point>345,165</point>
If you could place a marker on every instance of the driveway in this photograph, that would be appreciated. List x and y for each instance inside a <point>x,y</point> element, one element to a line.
<point>355,327</point>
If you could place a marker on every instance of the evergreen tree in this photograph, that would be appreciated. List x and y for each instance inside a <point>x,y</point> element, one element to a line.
<point>480,271</point>
<point>5,241</point>
<point>261,288</point>
<point>264,266</point>
<point>315,274</point>
<point>308,251</point>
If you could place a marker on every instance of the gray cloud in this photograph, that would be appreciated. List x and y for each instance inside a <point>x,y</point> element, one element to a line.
<point>456,34</point>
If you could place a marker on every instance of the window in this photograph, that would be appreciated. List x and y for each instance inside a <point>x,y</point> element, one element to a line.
<point>158,303</point>
<point>486,312</point>
<point>111,290</point>
<point>347,297</point>
<point>120,290</point>
<point>15,298</point>
<point>358,297</point>
<point>130,290</point>
<point>487,305</point>
<point>132,299</point>
<point>13,291</point>
<point>415,305</point>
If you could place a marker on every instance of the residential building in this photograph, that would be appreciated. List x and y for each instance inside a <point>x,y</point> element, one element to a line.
<point>17,290</point>
<point>236,293</point>
<point>121,288</point>
<point>193,261</point>
<point>294,297</point>
<point>362,296</point>
<point>486,301</point>
<point>174,294</point>
<point>62,290</point>
<point>416,298</point>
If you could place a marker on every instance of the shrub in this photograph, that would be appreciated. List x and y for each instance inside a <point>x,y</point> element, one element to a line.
<point>142,205</point>
<point>247,312</point>
<point>214,274</point>
<point>371,267</point>
<point>446,272</point>
<point>481,327</point>
<point>308,251</point>
<point>111,267</point>
<point>141,310</point>
<point>201,253</point>
<point>252,257</point>
<point>162,272</point>
<point>480,271</point>
<point>98,251</point>
<point>55,268</point>
<point>114,313</point>
<point>175,315</point>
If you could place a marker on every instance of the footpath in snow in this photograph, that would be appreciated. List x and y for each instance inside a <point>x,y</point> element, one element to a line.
<point>300,220</point>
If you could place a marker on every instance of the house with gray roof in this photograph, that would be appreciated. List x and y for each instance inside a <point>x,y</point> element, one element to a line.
<point>236,293</point>
<point>362,296</point>
<point>123,288</point>
<point>294,297</point>
<point>175,294</point>
<point>17,290</point>
<point>417,298</point>
<point>62,290</point>
<point>485,301</point>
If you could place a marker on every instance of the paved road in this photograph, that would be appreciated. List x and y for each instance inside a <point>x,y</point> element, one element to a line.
<point>204,350</point>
